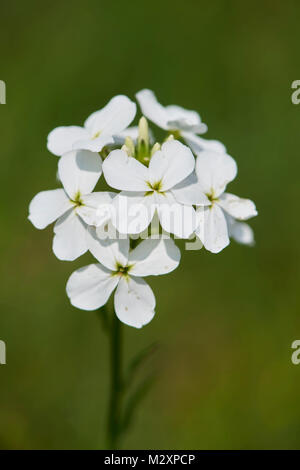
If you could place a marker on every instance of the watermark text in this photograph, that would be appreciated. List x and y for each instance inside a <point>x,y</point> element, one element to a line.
<point>2,92</point>
<point>296,354</point>
<point>2,352</point>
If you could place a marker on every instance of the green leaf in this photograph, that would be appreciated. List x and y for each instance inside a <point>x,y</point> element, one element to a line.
<point>137,362</point>
<point>134,400</point>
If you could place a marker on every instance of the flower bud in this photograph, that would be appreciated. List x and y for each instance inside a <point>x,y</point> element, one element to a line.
<point>143,138</point>
<point>155,148</point>
<point>130,146</point>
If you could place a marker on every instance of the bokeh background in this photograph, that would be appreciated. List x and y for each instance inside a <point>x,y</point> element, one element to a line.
<point>224,323</point>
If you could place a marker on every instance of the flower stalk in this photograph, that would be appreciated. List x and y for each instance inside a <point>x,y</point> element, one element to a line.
<point>116,384</point>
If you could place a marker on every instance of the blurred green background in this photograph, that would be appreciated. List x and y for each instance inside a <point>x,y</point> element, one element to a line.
<point>225,323</point>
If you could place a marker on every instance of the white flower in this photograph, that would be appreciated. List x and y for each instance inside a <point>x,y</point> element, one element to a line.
<point>74,206</point>
<point>182,122</point>
<point>214,172</point>
<point>98,131</point>
<point>90,287</point>
<point>165,186</point>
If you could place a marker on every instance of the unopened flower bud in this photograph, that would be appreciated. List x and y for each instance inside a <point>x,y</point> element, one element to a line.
<point>130,146</point>
<point>143,138</point>
<point>155,148</point>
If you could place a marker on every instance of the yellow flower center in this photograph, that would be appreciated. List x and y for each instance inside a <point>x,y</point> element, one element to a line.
<point>122,270</point>
<point>77,201</point>
<point>154,187</point>
<point>95,136</point>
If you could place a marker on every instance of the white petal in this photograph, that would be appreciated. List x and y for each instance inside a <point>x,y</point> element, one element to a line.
<point>240,231</point>
<point>109,252</point>
<point>184,120</point>
<point>124,172</point>
<point>212,228</point>
<point>215,171</point>
<point>198,144</point>
<point>239,208</point>
<point>189,192</point>
<point>134,302</point>
<point>174,217</point>
<point>172,164</point>
<point>94,144</point>
<point>90,287</point>
<point>133,133</point>
<point>152,109</point>
<point>154,257</point>
<point>62,139</point>
<point>69,241</point>
<point>79,172</point>
<point>48,206</point>
<point>96,209</point>
<point>113,118</point>
<point>133,212</point>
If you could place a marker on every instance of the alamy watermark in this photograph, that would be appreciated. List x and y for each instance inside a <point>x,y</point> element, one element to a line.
<point>296,354</point>
<point>142,221</point>
<point>2,352</point>
<point>2,92</point>
<point>295,96</point>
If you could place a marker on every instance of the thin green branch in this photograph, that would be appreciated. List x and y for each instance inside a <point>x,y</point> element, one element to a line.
<point>116,384</point>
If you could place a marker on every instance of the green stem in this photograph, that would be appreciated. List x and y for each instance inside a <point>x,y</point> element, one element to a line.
<point>116,383</point>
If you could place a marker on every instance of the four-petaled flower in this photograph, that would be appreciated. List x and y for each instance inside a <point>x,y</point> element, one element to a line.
<point>178,121</point>
<point>74,206</point>
<point>164,187</point>
<point>214,172</point>
<point>90,287</point>
<point>99,128</point>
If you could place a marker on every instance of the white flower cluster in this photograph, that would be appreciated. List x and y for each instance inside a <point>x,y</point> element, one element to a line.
<point>180,185</point>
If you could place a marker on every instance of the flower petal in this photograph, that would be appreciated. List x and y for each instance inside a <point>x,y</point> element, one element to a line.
<point>125,173</point>
<point>69,241</point>
<point>153,257</point>
<point>113,118</point>
<point>94,145</point>
<point>170,165</point>
<point>240,231</point>
<point>189,192</point>
<point>198,144</point>
<point>174,217</point>
<point>134,302</point>
<point>239,208</point>
<point>184,120</point>
<point>47,206</point>
<point>108,252</point>
<point>79,172</point>
<point>212,228</point>
<point>62,139</point>
<point>96,208</point>
<point>215,171</point>
<point>152,109</point>
<point>90,287</point>
<point>133,212</point>
<point>133,133</point>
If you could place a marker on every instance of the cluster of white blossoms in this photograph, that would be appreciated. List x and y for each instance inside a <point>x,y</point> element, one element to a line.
<point>171,190</point>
